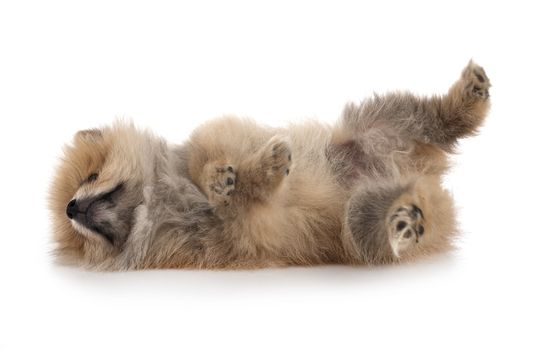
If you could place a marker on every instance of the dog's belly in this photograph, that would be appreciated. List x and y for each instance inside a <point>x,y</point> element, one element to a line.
<point>351,163</point>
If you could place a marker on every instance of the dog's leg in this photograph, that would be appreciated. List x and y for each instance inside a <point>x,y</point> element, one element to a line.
<point>260,175</point>
<point>438,120</point>
<point>230,187</point>
<point>390,222</point>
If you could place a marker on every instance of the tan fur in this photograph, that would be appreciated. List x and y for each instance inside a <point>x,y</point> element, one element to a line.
<point>242,195</point>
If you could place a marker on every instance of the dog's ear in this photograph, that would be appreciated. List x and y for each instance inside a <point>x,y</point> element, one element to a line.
<point>89,136</point>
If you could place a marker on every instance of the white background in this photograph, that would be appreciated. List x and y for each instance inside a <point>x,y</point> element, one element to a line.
<point>69,65</point>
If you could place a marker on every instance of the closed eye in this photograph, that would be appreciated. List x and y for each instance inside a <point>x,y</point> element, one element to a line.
<point>108,196</point>
<point>92,177</point>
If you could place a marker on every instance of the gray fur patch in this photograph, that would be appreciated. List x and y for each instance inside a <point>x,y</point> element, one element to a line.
<point>366,216</point>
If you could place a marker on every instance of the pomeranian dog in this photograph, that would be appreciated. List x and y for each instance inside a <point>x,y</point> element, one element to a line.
<point>366,190</point>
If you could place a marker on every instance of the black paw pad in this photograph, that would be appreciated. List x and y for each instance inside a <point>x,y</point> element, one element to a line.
<point>416,211</point>
<point>407,234</point>
<point>479,76</point>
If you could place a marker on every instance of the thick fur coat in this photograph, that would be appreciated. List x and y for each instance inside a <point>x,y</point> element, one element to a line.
<point>366,190</point>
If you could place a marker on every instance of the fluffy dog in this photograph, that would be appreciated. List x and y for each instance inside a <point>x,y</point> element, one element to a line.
<point>366,190</point>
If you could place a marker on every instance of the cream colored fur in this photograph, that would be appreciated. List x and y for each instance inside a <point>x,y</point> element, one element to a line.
<point>241,195</point>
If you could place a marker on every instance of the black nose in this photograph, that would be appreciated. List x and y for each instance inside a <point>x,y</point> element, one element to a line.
<point>72,209</point>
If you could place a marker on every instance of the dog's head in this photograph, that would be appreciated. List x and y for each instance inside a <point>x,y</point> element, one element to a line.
<point>94,195</point>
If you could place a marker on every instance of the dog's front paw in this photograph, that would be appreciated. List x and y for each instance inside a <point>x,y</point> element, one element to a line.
<point>277,158</point>
<point>220,182</point>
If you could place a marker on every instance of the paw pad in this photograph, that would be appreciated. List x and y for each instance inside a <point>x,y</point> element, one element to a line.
<point>280,159</point>
<point>477,83</point>
<point>406,226</point>
<point>222,184</point>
